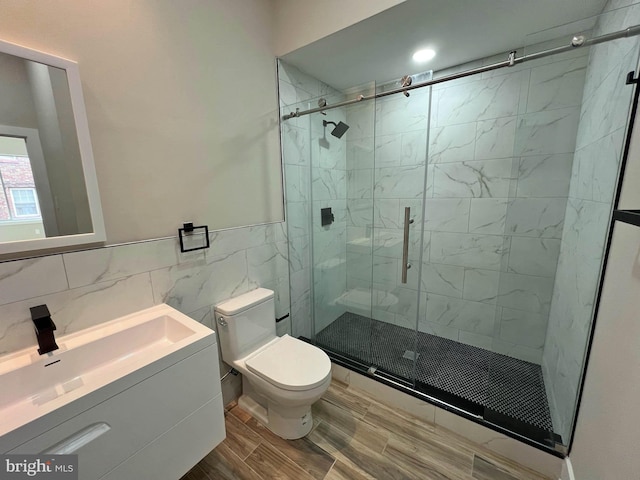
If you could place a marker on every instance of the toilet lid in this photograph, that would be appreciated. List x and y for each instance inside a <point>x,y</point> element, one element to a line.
<point>291,364</point>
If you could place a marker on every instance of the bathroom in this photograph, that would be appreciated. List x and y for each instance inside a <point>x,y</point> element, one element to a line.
<point>186,108</point>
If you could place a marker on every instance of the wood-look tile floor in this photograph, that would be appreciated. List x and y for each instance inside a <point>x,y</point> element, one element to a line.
<point>354,437</point>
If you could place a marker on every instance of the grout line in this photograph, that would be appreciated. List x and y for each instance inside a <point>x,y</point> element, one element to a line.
<point>335,460</point>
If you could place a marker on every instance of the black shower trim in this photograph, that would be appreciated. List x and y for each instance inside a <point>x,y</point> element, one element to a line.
<point>631,217</point>
<point>452,407</point>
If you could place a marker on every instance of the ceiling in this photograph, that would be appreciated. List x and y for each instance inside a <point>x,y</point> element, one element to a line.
<point>380,47</point>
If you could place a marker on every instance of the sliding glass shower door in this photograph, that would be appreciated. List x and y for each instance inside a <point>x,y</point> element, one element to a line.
<point>368,189</point>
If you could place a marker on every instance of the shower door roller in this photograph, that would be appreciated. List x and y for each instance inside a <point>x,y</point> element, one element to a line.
<point>405,245</point>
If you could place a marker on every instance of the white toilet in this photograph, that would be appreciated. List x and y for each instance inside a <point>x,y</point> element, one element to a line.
<point>281,376</point>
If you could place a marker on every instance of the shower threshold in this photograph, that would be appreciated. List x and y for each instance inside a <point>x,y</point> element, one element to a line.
<point>493,389</point>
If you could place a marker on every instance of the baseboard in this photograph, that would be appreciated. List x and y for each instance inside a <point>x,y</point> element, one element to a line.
<point>567,470</point>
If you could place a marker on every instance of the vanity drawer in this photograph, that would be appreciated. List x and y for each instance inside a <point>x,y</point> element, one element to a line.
<point>125,423</point>
<point>174,453</point>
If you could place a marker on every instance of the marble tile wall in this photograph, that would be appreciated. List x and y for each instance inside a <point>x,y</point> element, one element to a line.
<point>600,139</point>
<point>386,170</point>
<point>315,178</point>
<point>501,150</point>
<point>89,287</point>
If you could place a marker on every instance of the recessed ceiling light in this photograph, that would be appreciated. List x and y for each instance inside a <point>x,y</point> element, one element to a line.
<point>423,55</point>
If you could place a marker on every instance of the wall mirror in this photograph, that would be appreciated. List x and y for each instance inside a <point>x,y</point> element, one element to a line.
<point>48,189</point>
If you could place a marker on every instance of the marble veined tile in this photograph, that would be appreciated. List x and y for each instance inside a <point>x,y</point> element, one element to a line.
<point>441,279</point>
<point>267,263</point>
<point>112,263</point>
<point>74,309</point>
<point>360,212</point>
<point>361,121</point>
<point>495,138</point>
<point>481,285</point>
<point>22,279</point>
<point>360,183</point>
<point>525,292</point>
<point>401,182</point>
<point>443,331</point>
<point>536,217</point>
<point>402,149</point>
<point>297,183</point>
<point>480,100</point>
<point>523,328</point>
<point>299,253</point>
<point>545,175</point>
<point>295,145</point>
<point>467,250</point>
<point>328,152</point>
<point>485,178</point>
<point>557,85</point>
<point>607,166</point>
<point>328,184</point>
<point>453,143</point>
<point>359,153</point>
<point>386,213</point>
<point>475,340</point>
<point>488,215</point>
<point>534,256</point>
<point>298,216</point>
<point>461,314</point>
<point>192,287</point>
<point>301,81</point>
<point>522,352</point>
<point>398,114</point>
<point>547,132</point>
<point>447,214</point>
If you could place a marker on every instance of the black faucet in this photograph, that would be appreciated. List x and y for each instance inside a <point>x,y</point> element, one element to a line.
<point>44,329</point>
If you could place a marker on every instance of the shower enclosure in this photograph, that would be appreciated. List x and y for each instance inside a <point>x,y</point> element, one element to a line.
<point>449,242</point>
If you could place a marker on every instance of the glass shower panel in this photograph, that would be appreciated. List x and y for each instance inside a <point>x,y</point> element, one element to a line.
<point>398,178</point>
<point>569,140</point>
<point>342,214</point>
<point>471,171</point>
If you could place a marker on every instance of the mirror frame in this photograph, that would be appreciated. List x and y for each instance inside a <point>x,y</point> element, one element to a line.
<point>86,154</point>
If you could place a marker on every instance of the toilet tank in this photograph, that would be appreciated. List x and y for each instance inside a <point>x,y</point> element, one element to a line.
<point>250,323</point>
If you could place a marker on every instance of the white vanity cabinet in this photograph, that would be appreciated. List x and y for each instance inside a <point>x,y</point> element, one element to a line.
<point>155,423</point>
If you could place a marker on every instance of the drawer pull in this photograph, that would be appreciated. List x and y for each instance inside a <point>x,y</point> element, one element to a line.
<point>78,440</point>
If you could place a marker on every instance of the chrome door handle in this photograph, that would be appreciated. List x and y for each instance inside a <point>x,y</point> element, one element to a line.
<point>405,245</point>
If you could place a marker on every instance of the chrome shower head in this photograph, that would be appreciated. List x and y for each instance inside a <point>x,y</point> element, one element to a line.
<point>339,129</point>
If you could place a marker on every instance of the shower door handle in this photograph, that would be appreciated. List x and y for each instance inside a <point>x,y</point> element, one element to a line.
<point>405,244</point>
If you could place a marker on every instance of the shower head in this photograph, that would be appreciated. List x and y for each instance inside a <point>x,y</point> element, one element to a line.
<point>339,129</point>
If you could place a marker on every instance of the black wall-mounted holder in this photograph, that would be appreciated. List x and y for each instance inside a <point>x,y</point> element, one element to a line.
<point>326,217</point>
<point>191,238</point>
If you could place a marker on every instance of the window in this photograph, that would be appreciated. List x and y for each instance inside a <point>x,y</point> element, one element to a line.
<point>25,202</point>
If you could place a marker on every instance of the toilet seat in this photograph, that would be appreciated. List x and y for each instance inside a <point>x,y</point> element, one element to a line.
<point>291,364</point>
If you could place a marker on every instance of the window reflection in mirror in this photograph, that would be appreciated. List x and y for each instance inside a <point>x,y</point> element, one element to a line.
<point>42,190</point>
<point>20,215</point>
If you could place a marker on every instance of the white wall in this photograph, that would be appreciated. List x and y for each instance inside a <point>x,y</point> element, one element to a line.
<point>181,104</point>
<point>300,22</point>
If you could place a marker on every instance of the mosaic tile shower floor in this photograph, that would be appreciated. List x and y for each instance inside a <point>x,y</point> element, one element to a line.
<point>509,386</point>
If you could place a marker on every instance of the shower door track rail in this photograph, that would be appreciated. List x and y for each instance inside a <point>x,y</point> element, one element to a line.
<point>576,42</point>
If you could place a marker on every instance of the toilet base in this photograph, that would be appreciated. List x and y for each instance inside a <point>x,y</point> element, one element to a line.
<point>288,423</point>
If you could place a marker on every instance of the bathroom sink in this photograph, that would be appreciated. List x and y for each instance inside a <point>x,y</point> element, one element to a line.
<point>87,361</point>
